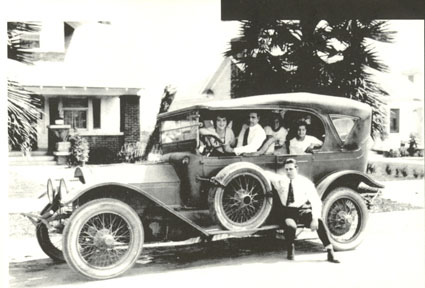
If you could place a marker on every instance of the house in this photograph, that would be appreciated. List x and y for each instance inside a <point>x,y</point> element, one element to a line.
<point>218,87</point>
<point>79,85</point>
<point>404,110</point>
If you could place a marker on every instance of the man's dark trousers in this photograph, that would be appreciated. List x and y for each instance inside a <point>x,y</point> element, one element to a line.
<point>302,216</point>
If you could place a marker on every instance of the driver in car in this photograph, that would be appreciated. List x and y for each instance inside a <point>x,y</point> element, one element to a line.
<point>216,137</point>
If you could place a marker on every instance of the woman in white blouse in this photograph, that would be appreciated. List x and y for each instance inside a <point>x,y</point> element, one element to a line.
<point>303,143</point>
<point>222,132</point>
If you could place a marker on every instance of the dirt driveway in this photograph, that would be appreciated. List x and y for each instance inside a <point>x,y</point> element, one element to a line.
<point>391,256</point>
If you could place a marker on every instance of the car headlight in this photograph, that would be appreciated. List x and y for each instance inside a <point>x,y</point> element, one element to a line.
<point>63,190</point>
<point>50,191</point>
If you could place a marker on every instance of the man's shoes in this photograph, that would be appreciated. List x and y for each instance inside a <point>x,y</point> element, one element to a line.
<point>331,256</point>
<point>291,251</point>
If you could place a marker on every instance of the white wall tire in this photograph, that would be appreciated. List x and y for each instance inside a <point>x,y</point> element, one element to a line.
<point>242,203</point>
<point>103,239</point>
<point>345,215</point>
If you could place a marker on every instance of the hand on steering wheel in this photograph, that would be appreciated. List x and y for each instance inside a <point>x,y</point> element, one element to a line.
<point>208,140</point>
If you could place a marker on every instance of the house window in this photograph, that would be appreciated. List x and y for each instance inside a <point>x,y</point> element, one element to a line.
<point>75,112</point>
<point>395,121</point>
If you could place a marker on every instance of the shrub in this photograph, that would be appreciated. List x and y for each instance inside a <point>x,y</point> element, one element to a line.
<point>371,168</point>
<point>130,152</point>
<point>392,153</point>
<point>101,155</point>
<point>397,172</point>
<point>388,169</point>
<point>413,145</point>
<point>404,171</point>
<point>79,150</point>
<point>403,150</point>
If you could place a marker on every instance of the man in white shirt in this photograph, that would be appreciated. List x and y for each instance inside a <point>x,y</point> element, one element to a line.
<point>301,205</point>
<point>250,138</point>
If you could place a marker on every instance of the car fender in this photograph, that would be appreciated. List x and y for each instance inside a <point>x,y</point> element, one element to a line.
<point>70,198</point>
<point>350,178</point>
<point>226,174</point>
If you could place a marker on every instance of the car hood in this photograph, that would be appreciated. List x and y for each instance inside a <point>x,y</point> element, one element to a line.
<point>145,173</point>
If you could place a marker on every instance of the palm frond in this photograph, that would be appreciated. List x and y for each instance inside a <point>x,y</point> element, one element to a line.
<point>23,112</point>
<point>330,57</point>
<point>15,31</point>
<point>380,31</point>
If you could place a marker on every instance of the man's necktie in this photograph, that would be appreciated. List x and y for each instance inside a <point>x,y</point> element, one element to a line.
<point>290,198</point>
<point>245,137</point>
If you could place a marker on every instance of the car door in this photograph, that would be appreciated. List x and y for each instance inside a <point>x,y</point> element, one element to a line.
<point>304,162</point>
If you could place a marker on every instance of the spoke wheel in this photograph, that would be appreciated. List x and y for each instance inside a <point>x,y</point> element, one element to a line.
<point>103,239</point>
<point>50,241</point>
<point>241,204</point>
<point>345,215</point>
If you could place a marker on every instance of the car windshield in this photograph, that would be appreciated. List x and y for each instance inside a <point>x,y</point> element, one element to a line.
<point>182,128</point>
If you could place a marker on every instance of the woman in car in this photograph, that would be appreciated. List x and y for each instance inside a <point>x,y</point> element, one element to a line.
<point>303,143</point>
<point>222,132</point>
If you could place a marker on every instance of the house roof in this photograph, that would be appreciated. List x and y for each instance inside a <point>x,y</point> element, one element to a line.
<point>83,91</point>
<point>57,79</point>
<point>93,64</point>
<point>323,103</point>
<point>212,82</point>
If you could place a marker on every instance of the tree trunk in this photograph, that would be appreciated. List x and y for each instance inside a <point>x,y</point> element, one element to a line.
<point>166,101</point>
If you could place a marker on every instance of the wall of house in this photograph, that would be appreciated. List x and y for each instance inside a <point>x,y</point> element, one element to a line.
<point>110,142</point>
<point>108,135</point>
<point>130,118</point>
<point>110,114</point>
<point>117,113</point>
<point>411,121</point>
<point>222,87</point>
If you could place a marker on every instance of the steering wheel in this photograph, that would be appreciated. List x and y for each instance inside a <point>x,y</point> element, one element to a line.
<point>208,140</point>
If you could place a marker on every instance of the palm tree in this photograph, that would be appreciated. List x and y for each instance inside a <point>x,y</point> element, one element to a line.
<point>311,55</point>
<point>23,108</point>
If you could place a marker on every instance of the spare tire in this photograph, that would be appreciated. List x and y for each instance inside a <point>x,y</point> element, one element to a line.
<point>240,203</point>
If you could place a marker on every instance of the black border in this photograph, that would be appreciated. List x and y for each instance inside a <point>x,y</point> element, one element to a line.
<point>325,9</point>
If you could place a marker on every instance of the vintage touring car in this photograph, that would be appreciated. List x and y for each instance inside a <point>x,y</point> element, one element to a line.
<point>105,214</point>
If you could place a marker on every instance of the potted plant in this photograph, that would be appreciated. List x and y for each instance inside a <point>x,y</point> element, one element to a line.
<point>79,150</point>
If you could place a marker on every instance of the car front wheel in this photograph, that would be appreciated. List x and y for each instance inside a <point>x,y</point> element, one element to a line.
<point>345,214</point>
<point>50,241</point>
<point>103,239</point>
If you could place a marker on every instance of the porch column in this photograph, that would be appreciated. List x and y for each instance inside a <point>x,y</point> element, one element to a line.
<point>42,131</point>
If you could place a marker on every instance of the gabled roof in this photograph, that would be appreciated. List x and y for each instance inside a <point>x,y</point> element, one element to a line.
<point>308,101</point>
<point>212,82</point>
